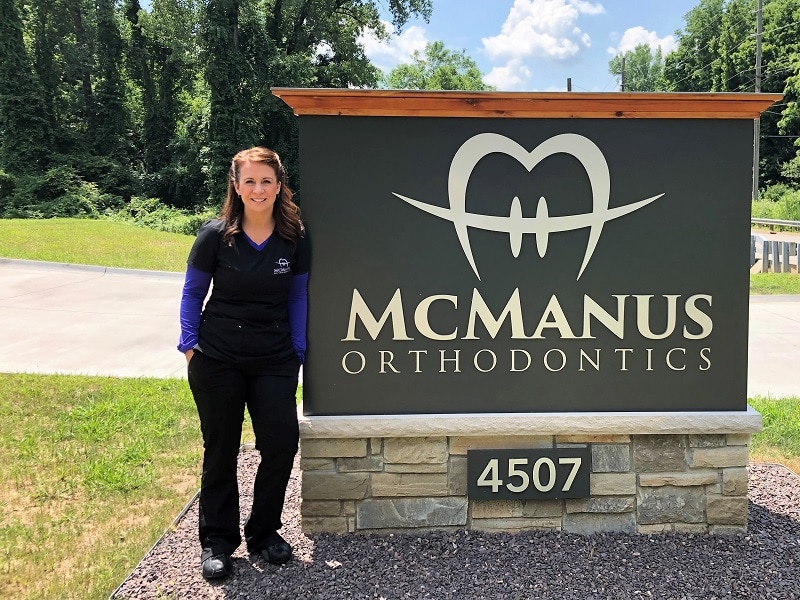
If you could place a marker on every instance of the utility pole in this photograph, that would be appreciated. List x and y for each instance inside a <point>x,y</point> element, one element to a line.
<point>622,76</point>
<point>757,122</point>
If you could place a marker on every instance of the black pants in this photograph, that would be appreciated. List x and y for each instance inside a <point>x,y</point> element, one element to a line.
<point>221,392</point>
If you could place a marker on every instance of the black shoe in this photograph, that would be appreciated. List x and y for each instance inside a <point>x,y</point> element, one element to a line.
<point>278,551</point>
<point>217,566</point>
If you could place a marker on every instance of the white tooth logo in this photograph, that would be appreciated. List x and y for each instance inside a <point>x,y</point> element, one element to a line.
<point>483,144</point>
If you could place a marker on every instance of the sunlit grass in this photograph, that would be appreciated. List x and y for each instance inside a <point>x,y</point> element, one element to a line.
<point>94,470</point>
<point>774,283</point>
<point>780,440</point>
<point>93,242</point>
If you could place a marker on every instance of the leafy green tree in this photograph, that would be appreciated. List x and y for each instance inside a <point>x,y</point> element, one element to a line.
<point>733,70</point>
<point>250,47</point>
<point>161,58</point>
<point>781,54</point>
<point>80,67</point>
<point>226,71</point>
<point>24,132</point>
<point>687,68</point>
<point>44,24</point>
<point>437,68</point>
<point>109,123</point>
<point>716,53</point>
<point>789,124</point>
<point>154,100</point>
<point>791,171</point>
<point>60,64</point>
<point>644,69</point>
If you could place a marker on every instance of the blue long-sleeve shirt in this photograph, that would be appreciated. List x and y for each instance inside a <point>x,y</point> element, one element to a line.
<point>195,290</point>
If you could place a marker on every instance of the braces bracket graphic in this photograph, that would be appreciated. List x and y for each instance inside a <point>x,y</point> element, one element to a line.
<point>515,225</point>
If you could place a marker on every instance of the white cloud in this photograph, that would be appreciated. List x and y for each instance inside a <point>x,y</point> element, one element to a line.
<point>511,77</point>
<point>638,35</point>
<point>542,28</point>
<point>587,8</point>
<point>387,54</point>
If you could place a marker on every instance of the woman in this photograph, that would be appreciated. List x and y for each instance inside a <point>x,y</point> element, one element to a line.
<point>245,349</point>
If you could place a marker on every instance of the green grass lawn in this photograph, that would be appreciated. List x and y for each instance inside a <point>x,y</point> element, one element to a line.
<point>774,283</point>
<point>780,440</point>
<point>94,470</point>
<point>93,242</point>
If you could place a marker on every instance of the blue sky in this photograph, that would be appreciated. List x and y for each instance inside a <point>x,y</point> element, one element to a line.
<point>535,45</point>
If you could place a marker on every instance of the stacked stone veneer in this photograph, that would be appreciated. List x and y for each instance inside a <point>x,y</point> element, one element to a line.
<point>642,483</point>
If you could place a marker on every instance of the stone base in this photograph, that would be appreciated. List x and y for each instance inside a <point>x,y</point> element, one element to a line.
<point>642,480</point>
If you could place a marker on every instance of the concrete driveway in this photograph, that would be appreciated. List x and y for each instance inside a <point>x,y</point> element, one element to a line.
<point>774,346</point>
<point>89,320</point>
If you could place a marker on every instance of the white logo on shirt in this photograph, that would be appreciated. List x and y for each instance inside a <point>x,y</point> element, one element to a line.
<point>283,267</point>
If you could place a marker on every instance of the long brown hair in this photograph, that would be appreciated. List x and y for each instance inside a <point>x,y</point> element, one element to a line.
<point>285,212</point>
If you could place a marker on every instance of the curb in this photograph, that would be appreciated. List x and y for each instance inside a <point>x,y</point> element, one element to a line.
<point>763,298</point>
<point>56,266</point>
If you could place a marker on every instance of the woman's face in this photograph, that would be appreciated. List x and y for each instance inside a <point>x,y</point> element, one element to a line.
<point>258,185</point>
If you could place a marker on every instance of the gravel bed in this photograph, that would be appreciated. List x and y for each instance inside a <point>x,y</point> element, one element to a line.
<point>763,563</point>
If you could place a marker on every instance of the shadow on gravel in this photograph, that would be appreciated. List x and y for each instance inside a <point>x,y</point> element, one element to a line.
<point>762,564</point>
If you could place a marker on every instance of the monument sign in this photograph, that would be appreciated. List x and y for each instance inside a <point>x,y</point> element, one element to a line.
<point>529,259</point>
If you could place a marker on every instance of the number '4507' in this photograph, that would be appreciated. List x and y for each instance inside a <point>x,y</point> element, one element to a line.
<point>542,474</point>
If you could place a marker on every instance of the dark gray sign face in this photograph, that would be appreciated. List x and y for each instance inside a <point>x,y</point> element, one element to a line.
<point>525,265</point>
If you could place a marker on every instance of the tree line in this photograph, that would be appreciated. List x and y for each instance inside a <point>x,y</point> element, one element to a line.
<point>105,104</point>
<point>717,53</point>
<point>102,101</point>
